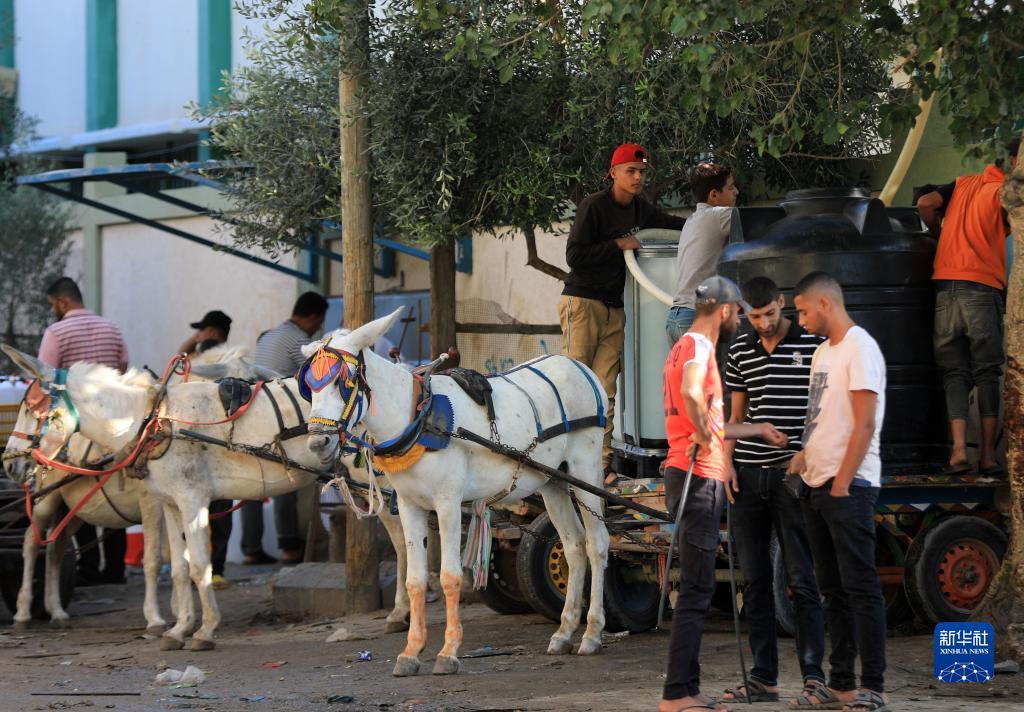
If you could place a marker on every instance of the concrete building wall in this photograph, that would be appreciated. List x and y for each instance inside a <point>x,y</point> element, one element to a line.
<point>50,57</point>
<point>155,284</point>
<point>158,62</point>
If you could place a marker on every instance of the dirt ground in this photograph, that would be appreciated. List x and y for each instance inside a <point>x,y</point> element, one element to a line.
<point>105,652</point>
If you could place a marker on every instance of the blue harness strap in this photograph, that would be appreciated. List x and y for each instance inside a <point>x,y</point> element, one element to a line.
<point>593,387</point>
<point>529,399</point>
<point>558,396</point>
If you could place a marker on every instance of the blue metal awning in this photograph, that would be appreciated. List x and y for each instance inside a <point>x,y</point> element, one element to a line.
<point>145,178</point>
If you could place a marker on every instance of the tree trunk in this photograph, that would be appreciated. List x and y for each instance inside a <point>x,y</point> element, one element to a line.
<point>361,557</point>
<point>1004,604</point>
<point>442,298</point>
<point>534,260</point>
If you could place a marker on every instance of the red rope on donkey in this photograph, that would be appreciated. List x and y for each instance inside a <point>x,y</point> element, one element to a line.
<point>178,364</point>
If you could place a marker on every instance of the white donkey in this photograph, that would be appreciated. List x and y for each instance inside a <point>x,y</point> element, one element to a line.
<point>122,502</point>
<point>111,409</point>
<point>443,479</point>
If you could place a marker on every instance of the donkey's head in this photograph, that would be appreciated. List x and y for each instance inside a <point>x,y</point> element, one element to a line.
<point>333,380</point>
<point>105,405</point>
<point>45,421</point>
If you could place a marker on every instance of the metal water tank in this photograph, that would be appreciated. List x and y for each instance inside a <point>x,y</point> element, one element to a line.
<point>639,410</point>
<point>883,260</point>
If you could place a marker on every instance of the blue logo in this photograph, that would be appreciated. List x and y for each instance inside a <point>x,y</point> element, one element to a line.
<point>964,652</point>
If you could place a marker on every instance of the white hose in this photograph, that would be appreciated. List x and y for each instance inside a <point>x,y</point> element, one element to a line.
<point>638,274</point>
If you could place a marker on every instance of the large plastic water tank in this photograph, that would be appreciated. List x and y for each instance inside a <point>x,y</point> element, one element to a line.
<point>884,265</point>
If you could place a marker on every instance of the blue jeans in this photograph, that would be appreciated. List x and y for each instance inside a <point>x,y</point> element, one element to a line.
<point>764,502</point>
<point>841,532</point>
<point>697,543</point>
<point>679,321</point>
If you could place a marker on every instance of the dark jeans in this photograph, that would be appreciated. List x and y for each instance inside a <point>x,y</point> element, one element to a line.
<point>841,531</point>
<point>968,341</point>
<point>697,543</point>
<point>764,502</point>
<point>286,521</point>
<point>220,533</point>
<point>114,546</point>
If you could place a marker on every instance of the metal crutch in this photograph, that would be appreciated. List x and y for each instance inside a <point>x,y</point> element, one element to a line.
<point>735,608</point>
<point>672,540</point>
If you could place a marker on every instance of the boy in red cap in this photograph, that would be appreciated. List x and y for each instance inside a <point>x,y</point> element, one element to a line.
<point>591,310</point>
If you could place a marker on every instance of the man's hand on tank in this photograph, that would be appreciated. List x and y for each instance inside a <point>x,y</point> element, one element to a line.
<point>798,465</point>
<point>628,242</point>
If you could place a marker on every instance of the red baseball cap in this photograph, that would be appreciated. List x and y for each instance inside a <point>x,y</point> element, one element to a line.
<point>630,153</point>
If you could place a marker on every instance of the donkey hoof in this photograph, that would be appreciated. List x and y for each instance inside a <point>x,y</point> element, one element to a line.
<point>20,625</point>
<point>169,642</point>
<point>589,646</point>
<point>406,666</point>
<point>156,630</point>
<point>396,626</point>
<point>447,665</point>
<point>559,646</point>
<point>199,644</point>
<point>60,622</point>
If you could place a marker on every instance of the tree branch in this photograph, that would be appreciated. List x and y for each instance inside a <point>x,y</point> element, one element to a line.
<point>534,260</point>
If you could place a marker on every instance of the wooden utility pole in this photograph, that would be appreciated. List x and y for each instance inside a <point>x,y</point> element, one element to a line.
<point>361,557</point>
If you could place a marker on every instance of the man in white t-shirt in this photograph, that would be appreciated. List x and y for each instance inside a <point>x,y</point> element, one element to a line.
<point>840,464</point>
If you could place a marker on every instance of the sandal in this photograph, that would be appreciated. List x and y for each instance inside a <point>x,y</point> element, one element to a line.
<point>814,688</point>
<point>757,690</point>
<point>867,701</point>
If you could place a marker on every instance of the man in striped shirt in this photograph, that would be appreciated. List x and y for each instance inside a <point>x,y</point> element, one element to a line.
<point>78,335</point>
<point>768,372</point>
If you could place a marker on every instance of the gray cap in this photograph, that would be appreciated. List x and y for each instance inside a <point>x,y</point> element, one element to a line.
<point>720,290</point>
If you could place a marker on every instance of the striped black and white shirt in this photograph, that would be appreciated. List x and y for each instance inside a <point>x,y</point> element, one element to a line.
<point>280,348</point>
<point>776,385</point>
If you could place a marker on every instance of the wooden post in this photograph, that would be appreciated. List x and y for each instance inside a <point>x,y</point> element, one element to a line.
<point>361,558</point>
<point>442,298</point>
<point>442,337</point>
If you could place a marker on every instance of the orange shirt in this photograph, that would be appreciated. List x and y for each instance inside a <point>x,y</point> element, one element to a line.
<point>972,245</point>
<point>694,348</point>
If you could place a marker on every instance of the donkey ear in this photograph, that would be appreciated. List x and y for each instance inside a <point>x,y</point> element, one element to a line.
<point>30,364</point>
<point>210,371</point>
<point>367,334</point>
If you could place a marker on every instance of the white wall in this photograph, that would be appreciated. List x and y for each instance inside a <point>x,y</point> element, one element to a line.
<point>75,267</point>
<point>158,59</point>
<point>155,284</point>
<point>50,58</point>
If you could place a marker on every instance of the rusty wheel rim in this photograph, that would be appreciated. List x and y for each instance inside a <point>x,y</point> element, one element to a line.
<point>965,571</point>
<point>557,568</point>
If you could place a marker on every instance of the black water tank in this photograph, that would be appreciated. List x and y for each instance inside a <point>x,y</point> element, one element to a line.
<point>884,263</point>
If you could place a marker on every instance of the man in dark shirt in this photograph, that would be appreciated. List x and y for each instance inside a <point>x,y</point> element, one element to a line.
<point>591,309</point>
<point>768,372</point>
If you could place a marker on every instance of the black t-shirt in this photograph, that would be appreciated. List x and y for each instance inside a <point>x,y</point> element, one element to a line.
<point>597,267</point>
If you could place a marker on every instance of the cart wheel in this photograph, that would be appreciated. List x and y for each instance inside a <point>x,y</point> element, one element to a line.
<point>10,583</point>
<point>630,598</point>
<point>950,566</point>
<point>502,593</point>
<point>541,567</point>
